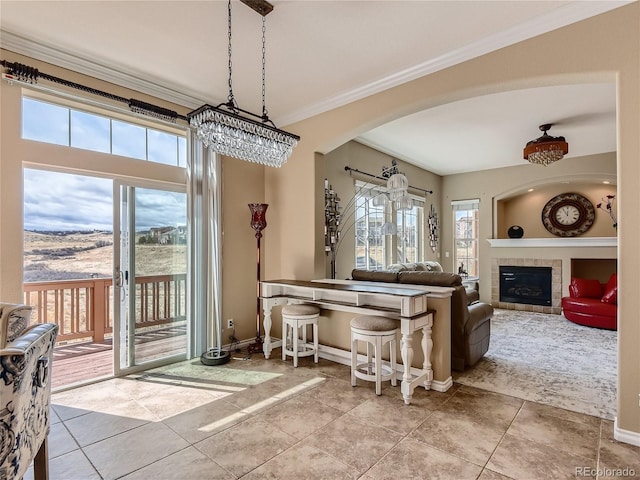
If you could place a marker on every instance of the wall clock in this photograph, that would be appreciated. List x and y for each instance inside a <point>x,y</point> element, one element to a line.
<point>568,215</point>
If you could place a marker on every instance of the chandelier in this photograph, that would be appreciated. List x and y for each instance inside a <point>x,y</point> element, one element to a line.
<point>545,149</point>
<point>229,130</point>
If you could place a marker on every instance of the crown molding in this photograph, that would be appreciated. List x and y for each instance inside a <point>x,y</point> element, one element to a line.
<point>46,53</point>
<point>565,15</point>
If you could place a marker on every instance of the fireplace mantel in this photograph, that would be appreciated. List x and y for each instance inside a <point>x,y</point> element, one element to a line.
<point>553,242</point>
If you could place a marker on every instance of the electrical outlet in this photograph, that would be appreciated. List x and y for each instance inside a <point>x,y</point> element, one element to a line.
<point>230,323</point>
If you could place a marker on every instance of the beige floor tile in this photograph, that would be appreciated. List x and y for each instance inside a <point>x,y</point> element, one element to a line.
<point>523,459</point>
<point>244,447</point>
<point>550,411</point>
<point>257,398</point>
<point>91,397</point>
<point>303,462</point>
<point>460,436</point>
<point>429,399</point>
<point>66,412</point>
<point>125,453</point>
<point>205,420</point>
<point>412,459</point>
<point>354,441</point>
<point>491,475</point>
<point>54,418</point>
<point>300,416</point>
<point>618,460</point>
<point>96,426</point>
<point>174,400</point>
<point>576,438</point>
<point>340,395</point>
<point>189,463</point>
<point>60,441</point>
<point>391,412</point>
<point>492,409</point>
<point>70,466</point>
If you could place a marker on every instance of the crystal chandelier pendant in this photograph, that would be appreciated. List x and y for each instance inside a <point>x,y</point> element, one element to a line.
<point>228,130</point>
<point>229,134</point>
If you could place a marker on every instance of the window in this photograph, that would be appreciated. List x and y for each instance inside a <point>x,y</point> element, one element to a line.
<point>371,249</point>
<point>466,236</point>
<point>375,215</point>
<point>410,233</point>
<point>60,125</point>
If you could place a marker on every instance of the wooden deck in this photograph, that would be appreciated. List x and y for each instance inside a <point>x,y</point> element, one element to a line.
<point>81,362</point>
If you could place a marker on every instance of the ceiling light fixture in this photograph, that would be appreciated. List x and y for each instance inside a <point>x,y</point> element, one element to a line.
<point>397,183</point>
<point>546,149</point>
<point>228,130</point>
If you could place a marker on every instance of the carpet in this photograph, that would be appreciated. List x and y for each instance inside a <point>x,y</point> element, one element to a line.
<point>550,360</point>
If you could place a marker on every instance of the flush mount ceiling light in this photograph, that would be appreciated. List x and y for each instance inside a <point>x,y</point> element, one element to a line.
<point>229,130</point>
<point>545,149</point>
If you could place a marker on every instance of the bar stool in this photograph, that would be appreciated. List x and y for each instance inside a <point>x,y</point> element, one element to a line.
<point>376,331</point>
<point>294,318</point>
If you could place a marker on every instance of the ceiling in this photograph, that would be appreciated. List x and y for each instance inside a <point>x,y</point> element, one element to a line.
<point>323,54</point>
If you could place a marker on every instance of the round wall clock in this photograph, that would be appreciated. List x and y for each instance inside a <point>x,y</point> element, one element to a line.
<point>568,215</point>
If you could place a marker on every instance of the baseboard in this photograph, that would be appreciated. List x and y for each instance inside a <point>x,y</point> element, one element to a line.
<point>626,436</point>
<point>343,357</point>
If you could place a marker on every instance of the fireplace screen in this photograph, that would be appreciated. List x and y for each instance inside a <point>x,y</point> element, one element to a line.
<point>530,285</point>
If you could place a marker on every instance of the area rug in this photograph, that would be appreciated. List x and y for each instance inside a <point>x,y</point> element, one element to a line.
<point>550,360</point>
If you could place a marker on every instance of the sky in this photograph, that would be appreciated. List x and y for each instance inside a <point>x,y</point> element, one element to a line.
<point>56,201</point>
<point>62,202</point>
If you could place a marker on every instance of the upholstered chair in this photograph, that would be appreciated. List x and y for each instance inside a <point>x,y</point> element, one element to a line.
<point>26,356</point>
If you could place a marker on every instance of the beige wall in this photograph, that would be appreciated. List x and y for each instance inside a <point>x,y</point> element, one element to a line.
<point>497,191</point>
<point>526,210</point>
<point>603,48</point>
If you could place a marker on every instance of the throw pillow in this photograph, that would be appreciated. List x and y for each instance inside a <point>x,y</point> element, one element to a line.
<point>611,290</point>
<point>585,288</point>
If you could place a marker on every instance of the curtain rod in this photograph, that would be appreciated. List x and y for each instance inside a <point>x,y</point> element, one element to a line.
<point>26,74</point>
<point>349,169</point>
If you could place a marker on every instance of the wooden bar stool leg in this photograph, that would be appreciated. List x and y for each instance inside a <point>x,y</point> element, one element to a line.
<point>285,339</point>
<point>378,360</point>
<point>370,359</point>
<point>392,357</point>
<point>354,359</point>
<point>315,342</point>
<point>295,345</point>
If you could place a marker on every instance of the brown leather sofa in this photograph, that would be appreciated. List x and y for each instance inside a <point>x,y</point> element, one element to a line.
<point>470,321</point>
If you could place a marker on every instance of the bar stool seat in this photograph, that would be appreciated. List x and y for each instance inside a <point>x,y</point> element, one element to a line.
<point>377,331</point>
<point>295,319</point>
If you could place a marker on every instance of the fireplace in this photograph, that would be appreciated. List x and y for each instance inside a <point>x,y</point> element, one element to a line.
<point>528,285</point>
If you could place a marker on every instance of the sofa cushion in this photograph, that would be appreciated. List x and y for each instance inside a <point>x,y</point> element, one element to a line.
<point>585,288</point>
<point>436,279</point>
<point>374,276</point>
<point>611,290</point>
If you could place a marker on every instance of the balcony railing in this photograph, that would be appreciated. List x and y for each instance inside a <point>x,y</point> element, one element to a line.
<point>83,309</point>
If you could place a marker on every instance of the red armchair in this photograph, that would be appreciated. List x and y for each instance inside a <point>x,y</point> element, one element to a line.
<point>591,303</point>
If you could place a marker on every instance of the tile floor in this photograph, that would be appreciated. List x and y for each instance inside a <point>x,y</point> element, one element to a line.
<point>257,418</point>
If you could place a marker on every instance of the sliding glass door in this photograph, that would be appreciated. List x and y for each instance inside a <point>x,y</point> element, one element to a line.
<point>150,275</point>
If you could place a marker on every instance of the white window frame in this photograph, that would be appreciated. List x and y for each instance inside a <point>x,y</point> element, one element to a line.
<point>466,229</point>
<point>368,220</point>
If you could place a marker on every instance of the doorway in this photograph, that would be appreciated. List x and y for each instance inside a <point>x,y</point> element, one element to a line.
<point>69,252</point>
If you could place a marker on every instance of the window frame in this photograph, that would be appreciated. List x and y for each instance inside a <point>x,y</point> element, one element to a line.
<point>469,264</point>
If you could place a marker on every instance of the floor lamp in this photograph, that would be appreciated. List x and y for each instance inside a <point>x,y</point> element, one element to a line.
<point>258,223</point>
